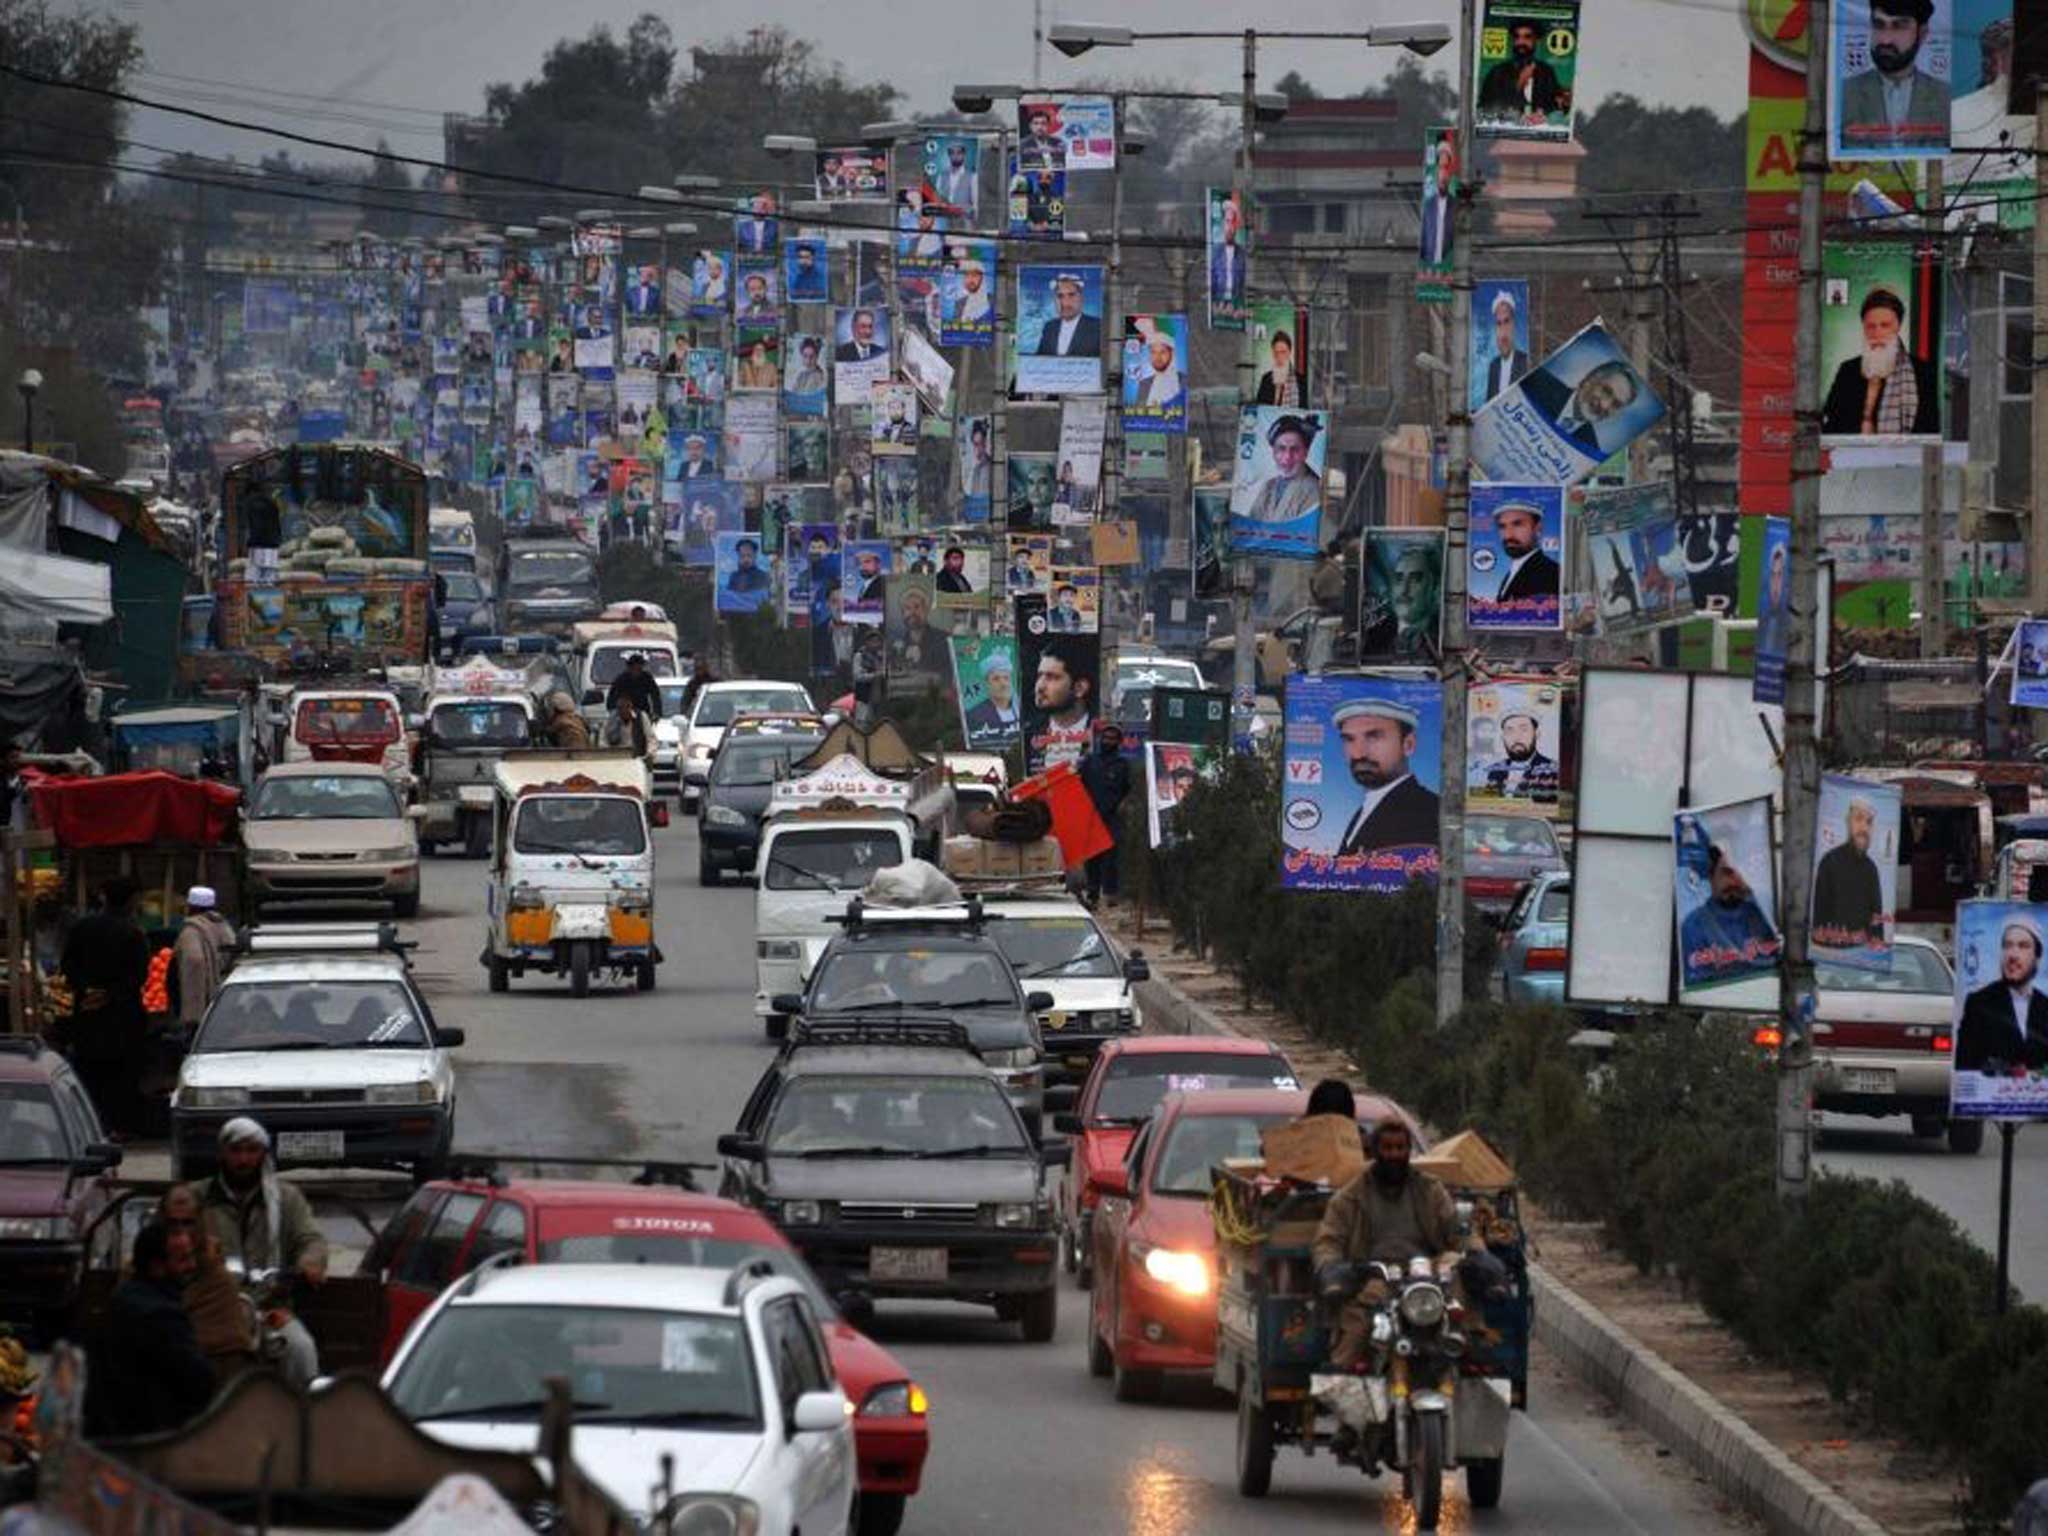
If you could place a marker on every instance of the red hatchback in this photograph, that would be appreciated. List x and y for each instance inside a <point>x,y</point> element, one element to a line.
<point>452,1225</point>
<point>1154,1310</point>
<point>1125,1085</point>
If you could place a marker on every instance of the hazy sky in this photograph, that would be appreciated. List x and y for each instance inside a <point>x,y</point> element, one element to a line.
<point>393,66</point>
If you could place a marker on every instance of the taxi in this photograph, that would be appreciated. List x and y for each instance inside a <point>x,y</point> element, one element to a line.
<point>452,1225</point>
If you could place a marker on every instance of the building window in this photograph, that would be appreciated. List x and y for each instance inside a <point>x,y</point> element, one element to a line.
<point>1371,336</point>
<point>1291,219</point>
<point>1333,218</point>
<point>2016,307</point>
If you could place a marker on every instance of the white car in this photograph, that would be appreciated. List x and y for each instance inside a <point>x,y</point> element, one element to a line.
<point>717,705</point>
<point>722,1374</point>
<point>320,1035</point>
<point>1056,946</point>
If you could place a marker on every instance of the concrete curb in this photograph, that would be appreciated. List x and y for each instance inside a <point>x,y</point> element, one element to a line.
<point>1709,1437</point>
<point>1714,1441</point>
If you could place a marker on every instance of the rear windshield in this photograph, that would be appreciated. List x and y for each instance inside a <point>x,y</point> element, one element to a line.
<point>353,720</point>
<point>640,1246</point>
<point>719,708</point>
<point>830,860</point>
<point>589,824</point>
<point>1555,906</point>
<point>754,761</point>
<point>482,723</point>
<point>1054,947</point>
<point>463,587</point>
<point>1510,837</point>
<point>340,797</point>
<point>1199,1142</point>
<point>1133,1085</point>
<point>1914,970</point>
<point>608,664</point>
<point>864,980</point>
<point>549,568</point>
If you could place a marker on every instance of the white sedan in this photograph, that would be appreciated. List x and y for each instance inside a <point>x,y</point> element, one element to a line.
<point>722,1374</point>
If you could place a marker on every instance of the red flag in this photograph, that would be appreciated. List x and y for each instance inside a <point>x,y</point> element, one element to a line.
<point>1080,830</point>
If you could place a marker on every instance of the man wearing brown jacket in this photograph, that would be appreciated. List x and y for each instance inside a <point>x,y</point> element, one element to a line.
<point>200,953</point>
<point>1389,1214</point>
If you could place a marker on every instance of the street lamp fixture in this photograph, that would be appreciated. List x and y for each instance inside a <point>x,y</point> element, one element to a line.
<point>522,232</point>
<point>694,181</point>
<point>594,215</point>
<point>644,232</point>
<point>488,237</point>
<point>1421,38</point>
<point>783,145</point>
<point>888,132</point>
<point>679,227</point>
<point>31,380</point>
<point>652,194</point>
<point>555,221</point>
<point>982,98</point>
<point>1075,38</point>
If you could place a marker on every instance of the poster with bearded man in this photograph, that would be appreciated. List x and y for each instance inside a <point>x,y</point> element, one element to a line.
<point>1880,342</point>
<point>2000,1018</point>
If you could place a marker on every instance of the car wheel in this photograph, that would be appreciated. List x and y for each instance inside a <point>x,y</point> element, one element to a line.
<point>1483,1481</point>
<point>476,840</point>
<point>1927,1127</point>
<point>644,976</point>
<point>1040,1315</point>
<point>1101,1363</point>
<point>407,905</point>
<point>1134,1386</point>
<point>1965,1136</point>
<point>707,870</point>
<point>1070,1249</point>
<point>579,969</point>
<point>880,1514</point>
<point>1254,1448</point>
<point>501,974</point>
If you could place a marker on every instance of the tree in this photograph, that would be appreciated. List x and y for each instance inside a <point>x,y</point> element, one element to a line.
<point>384,188</point>
<point>1421,100</point>
<point>1633,147</point>
<point>1295,88</point>
<point>593,116</point>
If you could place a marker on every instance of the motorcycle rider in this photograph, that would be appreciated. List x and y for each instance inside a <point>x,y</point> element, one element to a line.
<point>264,1223</point>
<point>637,684</point>
<point>1389,1214</point>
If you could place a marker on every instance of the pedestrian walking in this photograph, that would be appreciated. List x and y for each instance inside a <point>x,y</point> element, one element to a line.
<point>200,954</point>
<point>1107,778</point>
<point>106,962</point>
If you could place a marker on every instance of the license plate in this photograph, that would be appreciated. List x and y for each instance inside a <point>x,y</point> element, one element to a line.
<point>1869,1079</point>
<point>308,1146</point>
<point>907,1264</point>
<point>1056,1020</point>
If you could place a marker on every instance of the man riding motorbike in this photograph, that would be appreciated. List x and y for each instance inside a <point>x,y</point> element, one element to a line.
<point>264,1223</point>
<point>1389,1214</point>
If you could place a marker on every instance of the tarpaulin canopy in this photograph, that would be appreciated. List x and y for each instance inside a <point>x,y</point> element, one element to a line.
<point>36,683</point>
<point>54,589</point>
<point>129,810</point>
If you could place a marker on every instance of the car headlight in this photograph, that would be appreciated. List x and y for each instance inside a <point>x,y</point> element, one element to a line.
<point>800,1213</point>
<point>724,816</point>
<point>213,1098</point>
<point>1127,1018</point>
<point>1180,1271</point>
<point>422,1092</point>
<point>377,855</point>
<point>698,752</point>
<point>36,1229</point>
<point>1011,1061</point>
<point>710,1514</point>
<point>1017,1213</point>
<point>1422,1306</point>
<point>778,949</point>
<point>896,1400</point>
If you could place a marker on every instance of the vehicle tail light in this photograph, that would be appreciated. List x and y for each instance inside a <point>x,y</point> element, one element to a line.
<point>1543,960</point>
<point>1487,887</point>
<point>1944,1043</point>
<point>1768,1036</point>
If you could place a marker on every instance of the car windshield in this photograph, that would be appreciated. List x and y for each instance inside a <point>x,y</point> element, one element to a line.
<point>606,665</point>
<point>589,824</point>
<point>1197,1143</point>
<point>755,761</point>
<point>463,587</point>
<point>1510,837</point>
<point>720,708</point>
<point>354,720</point>
<point>893,1116</point>
<point>325,797</point>
<point>30,1131</point>
<point>830,860</point>
<point>859,980</point>
<point>310,1015</point>
<point>479,723</point>
<point>655,1239</point>
<point>1913,970</point>
<point>1135,1082</point>
<point>672,690</point>
<point>549,568</point>
<point>624,1365</point>
<point>452,534</point>
<point>1053,947</point>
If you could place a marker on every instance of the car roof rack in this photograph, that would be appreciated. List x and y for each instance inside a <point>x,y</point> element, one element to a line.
<point>30,1046</point>
<point>509,1259</point>
<point>861,913</point>
<point>864,1030</point>
<point>489,1168</point>
<point>324,938</point>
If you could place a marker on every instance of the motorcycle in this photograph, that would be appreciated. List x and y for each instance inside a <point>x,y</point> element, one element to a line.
<point>268,1302</point>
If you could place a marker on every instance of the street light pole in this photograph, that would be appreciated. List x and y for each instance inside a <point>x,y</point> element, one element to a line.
<point>1450,880</point>
<point>1244,690</point>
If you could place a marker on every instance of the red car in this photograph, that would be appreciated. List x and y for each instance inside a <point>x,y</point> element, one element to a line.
<point>54,1163</point>
<point>1154,1310</point>
<point>452,1225</point>
<point>1124,1086</point>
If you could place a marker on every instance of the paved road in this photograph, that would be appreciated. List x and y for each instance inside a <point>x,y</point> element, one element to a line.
<point>1015,1427</point>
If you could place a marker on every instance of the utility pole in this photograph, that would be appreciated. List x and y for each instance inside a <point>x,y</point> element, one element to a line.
<point>1641,264</point>
<point>1450,880</point>
<point>2037,524</point>
<point>1802,759</point>
<point>1111,480</point>
<point>1244,645</point>
<point>1933,620</point>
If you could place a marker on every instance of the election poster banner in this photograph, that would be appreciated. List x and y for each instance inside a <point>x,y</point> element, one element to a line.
<point>1276,490</point>
<point>860,351</point>
<point>2030,664</point>
<point>1881,342</point>
<point>1890,65</point>
<point>1514,732</point>
<point>1062,675</point>
<point>966,294</point>
<point>952,173</point>
<point>1855,872</point>
<point>1525,69</point>
<point>1435,255</point>
<point>1074,133</point>
<point>864,580</point>
<point>811,573</point>
<point>1561,421</point>
<point>963,575</point>
<point>1401,595</point>
<point>741,581</point>
<point>1059,330</point>
<point>804,384</point>
<point>985,679</point>
<point>977,470</point>
<point>1276,343</point>
<point>2000,1069</point>
<point>1635,565</point>
<point>1210,522</point>
<point>1172,769</point>
<point>1076,601</point>
<point>1038,202</point>
<point>1726,893</point>
<point>914,630</point>
<point>1030,568</point>
<point>1033,490</point>
<point>1500,336</point>
<point>1078,491</point>
<point>852,174</point>
<point>1361,767</point>
<point>1229,254</point>
<point>1155,373</point>
<point>1774,612</point>
<point>926,370</point>
<point>806,271</point>
<point>707,508</point>
<point>1516,557</point>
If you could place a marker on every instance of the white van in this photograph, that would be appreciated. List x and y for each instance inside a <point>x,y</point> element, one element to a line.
<point>809,862</point>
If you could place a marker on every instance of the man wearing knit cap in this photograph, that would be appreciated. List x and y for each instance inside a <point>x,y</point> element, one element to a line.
<point>265,1223</point>
<point>1379,739</point>
<point>200,953</point>
<point>2005,1021</point>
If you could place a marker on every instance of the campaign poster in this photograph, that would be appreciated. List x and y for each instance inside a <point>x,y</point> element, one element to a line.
<point>1229,254</point>
<point>806,271</point>
<point>1565,418</point>
<point>711,284</point>
<point>594,342</point>
<point>1525,68</point>
<point>642,348</point>
<point>1401,595</point>
<point>860,351</point>
<point>1774,612</point>
<point>927,371</point>
<point>1881,342</point>
<point>2030,664</point>
<point>596,239</point>
<point>707,373</point>
<point>1155,395</point>
<point>706,508</point>
<point>896,503</point>
<point>977,470</point>
<point>852,174</point>
<point>985,679</point>
<point>757,293</point>
<point>1172,769</point>
<point>1075,606</point>
<point>1040,144</point>
<point>741,580</point>
<point>1727,901</point>
<point>2001,1018</point>
<point>1855,872</point>
<point>1890,66</point>
<point>1209,520</point>
<point>806,452</point>
<point>1029,571</point>
<point>966,294</point>
<point>920,249</point>
<point>1059,330</point>
<point>864,580</point>
<point>1033,489</point>
<point>752,439</point>
<point>1635,562</point>
<point>1077,493</point>
<point>892,419</point>
<point>1038,203</point>
<point>811,573</point>
<point>1062,678</point>
<point>1990,149</point>
<point>804,383</point>
<point>952,170</point>
<point>1361,768</point>
<point>1513,735</point>
<point>914,632</point>
<point>1276,489</point>
<point>755,228</point>
<point>1436,238</point>
<point>962,580</point>
<point>1516,570</point>
<point>1500,336</point>
<point>1276,343</point>
<point>756,356</point>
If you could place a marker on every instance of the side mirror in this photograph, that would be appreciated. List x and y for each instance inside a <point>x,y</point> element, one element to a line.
<point>415,813</point>
<point>1061,1098</point>
<point>98,1157</point>
<point>1112,1181</point>
<point>1136,967</point>
<point>1067,1125</point>
<point>657,813</point>
<point>737,1144</point>
<point>1056,1154</point>
<point>1038,1002</point>
<point>593,695</point>
<point>789,1003</point>
<point>817,1413</point>
<point>450,1038</point>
